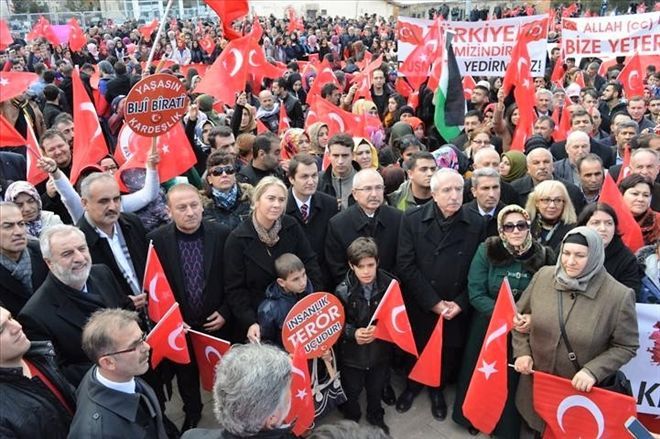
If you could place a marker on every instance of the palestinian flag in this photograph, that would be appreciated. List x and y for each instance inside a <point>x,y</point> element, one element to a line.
<point>449,99</point>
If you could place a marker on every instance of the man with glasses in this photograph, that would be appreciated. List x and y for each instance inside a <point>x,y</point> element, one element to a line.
<point>72,291</point>
<point>112,400</point>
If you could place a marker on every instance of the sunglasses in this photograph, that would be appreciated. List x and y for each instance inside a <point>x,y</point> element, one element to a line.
<point>217,172</point>
<point>522,226</point>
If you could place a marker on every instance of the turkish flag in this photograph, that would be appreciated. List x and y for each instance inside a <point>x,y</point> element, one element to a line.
<point>176,154</point>
<point>295,23</point>
<point>88,142</point>
<point>167,339</point>
<point>338,120</point>
<point>77,39</point>
<point>428,368</point>
<point>571,413</point>
<point>284,123</point>
<point>157,287</point>
<point>409,32</point>
<point>563,123</point>
<point>569,11</point>
<point>228,11</point>
<point>468,86</point>
<point>402,87</point>
<point>579,79</point>
<point>147,29</point>
<point>325,75</point>
<point>487,392</point>
<point>208,352</point>
<point>524,94</point>
<point>8,134</point>
<point>6,39</point>
<point>631,234</point>
<point>631,77</point>
<point>416,67</point>
<point>34,174</point>
<point>625,166</point>
<point>558,71</point>
<point>301,413</point>
<point>42,29</point>
<point>228,74</point>
<point>393,324</point>
<point>13,84</point>
<point>207,44</point>
<point>258,66</point>
<point>261,128</point>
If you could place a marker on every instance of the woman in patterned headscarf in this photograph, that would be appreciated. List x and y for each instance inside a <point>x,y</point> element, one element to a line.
<point>26,197</point>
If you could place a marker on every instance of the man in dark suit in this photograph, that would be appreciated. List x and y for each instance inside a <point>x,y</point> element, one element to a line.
<point>582,121</point>
<point>368,217</point>
<point>539,168</point>
<point>120,84</point>
<point>489,158</point>
<point>117,240</point>
<point>112,399</point>
<point>73,290</point>
<point>12,168</point>
<point>22,269</point>
<point>311,208</point>
<point>436,246</point>
<point>191,251</point>
<point>486,192</point>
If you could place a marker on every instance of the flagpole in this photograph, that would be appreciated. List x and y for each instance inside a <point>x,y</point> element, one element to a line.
<point>373,317</point>
<point>160,31</point>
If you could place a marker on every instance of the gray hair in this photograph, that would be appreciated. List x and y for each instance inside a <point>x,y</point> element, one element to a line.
<point>639,151</point>
<point>483,173</point>
<point>482,152</point>
<point>360,175</point>
<point>544,91</point>
<point>101,328</point>
<point>347,430</point>
<point>536,151</point>
<point>59,229</point>
<point>629,124</point>
<point>440,174</point>
<point>576,136</point>
<point>251,384</point>
<point>90,179</point>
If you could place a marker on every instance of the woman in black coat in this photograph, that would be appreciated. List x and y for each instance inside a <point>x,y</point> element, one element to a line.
<point>252,248</point>
<point>620,262</point>
<point>552,213</point>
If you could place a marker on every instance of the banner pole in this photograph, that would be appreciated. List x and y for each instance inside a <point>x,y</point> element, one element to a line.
<point>160,31</point>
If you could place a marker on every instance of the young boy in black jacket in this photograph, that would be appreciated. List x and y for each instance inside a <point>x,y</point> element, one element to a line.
<point>364,360</point>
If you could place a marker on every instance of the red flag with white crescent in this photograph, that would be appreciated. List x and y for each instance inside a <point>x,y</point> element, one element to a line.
<point>393,324</point>
<point>8,134</point>
<point>34,175</point>
<point>159,293</point>
<point>208,352</point>
<point>301,412</point>
<point>13,84</point>
<point>167,339</point>
<point>487,392</point>
<point>631,234</point>
<point>428,368</point>
<point>631,77</point>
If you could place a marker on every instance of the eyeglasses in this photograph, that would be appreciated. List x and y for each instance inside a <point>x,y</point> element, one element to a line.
<point>549,201</point>
<point>377,188</point>
<point>133,347</point>
<point>522,226</point>
<point>217,172</point>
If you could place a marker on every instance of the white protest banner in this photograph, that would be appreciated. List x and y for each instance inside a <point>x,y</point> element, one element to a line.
<point>643,370</point>
<point>483,48</point>
<point>606,37</point>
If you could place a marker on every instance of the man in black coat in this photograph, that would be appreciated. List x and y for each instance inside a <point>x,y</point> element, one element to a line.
<point>292,105</point>
<point>22,269</point>
<point>436,246</point>
<point>486,192</point>
<point>311,208</point>
<point>489,158</point>
<point>12,168</point>
<point>539,168</point>
<point>120,84</point>
<point>191,251</point>
<point>582,121</point>
<point>37,401</point>
<point>73,290</point>
<point>117,240</point>
<point>368,217</point>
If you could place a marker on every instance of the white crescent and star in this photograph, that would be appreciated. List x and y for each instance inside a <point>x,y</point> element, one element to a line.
<point>210,350</point>
<point>395,312</point>
<point>250,55</point>
<point>238,56</point>
<point>153,285</point>
<point>631,81</point>
<point>171,339</point>
<point>487,368</point>
<point>336,118</point>
<point>298,372</point>
<point>3,81</point>
<point>584,402</point>
<point>88,106</point>
<point>502,330</point>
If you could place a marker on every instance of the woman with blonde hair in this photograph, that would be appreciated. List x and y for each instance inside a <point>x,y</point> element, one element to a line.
<point>552,213</point>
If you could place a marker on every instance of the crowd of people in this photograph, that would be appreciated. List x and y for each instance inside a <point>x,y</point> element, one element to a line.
<point>268,215</point>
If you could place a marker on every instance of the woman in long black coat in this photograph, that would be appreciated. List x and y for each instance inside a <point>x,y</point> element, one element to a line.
<point>251,250</point>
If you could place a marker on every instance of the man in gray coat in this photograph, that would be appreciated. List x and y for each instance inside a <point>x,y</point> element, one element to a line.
<point>112,400</point>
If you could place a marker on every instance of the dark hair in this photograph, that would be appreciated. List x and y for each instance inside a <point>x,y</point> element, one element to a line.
<point>476,113</point>
<point>62,117</point>
<point>50,133</point>
<point>421,155</point>
<point>327,89</point>
<point>547,119</point>
<point>281,82</point>
<point>341,139</point>
<point>293,66</point>
<point>580,112</point>
<point>403,109</point>
<point>222,131</point>
<point>616,85</point>
<point>482,88</point>
<point>297,160</point>
<point>49,76</point>
<point>633,180</point>
<point>286,264</point>
<point>405,142</point>
<point>362,248</point>
<point>591,157</point>
<point>51,92</point>
<point>219,158</point>
<point>120,68</point>
<point>263,142</point>
<point>591,92</point>
<point>589,211</point>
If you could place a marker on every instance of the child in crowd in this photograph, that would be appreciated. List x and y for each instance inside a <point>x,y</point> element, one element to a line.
<point>364,360</point>
<point>291,285</point>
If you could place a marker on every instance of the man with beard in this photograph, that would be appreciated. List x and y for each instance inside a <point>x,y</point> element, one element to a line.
<point>112,400</point>
<point>592,176</point>
<point>73,290</point>
<point>416,191</point>
<point>265,160</point>
<point>611,103</point>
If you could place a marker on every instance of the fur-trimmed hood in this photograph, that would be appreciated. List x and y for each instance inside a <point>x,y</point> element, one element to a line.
<point>499,256</point>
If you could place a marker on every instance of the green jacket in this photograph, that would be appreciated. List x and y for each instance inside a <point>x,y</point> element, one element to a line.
<point>402,198</point>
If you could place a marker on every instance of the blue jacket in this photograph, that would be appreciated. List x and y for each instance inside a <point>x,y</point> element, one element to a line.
<point>274,308</point>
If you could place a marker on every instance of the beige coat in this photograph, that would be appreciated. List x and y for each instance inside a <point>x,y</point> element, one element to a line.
<point>10,112</point>
<point>601,327</point>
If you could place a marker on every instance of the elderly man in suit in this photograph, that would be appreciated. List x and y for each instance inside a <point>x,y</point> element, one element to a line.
<point>22,269</point>
<point>112,400</point>
<point>436,244</point>
<point>73,290</point>
<point>191,251</point>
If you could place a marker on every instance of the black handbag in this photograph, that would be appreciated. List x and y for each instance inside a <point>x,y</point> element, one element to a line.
<point>616,382</point>
<point>328,394</point>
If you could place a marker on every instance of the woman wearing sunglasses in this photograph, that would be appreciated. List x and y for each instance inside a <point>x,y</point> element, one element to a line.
<point>552,213</point>
<point>515,255</point>
<point>226,201</point>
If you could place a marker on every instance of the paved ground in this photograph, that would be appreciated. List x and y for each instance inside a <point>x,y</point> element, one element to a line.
<point>416,424</point>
